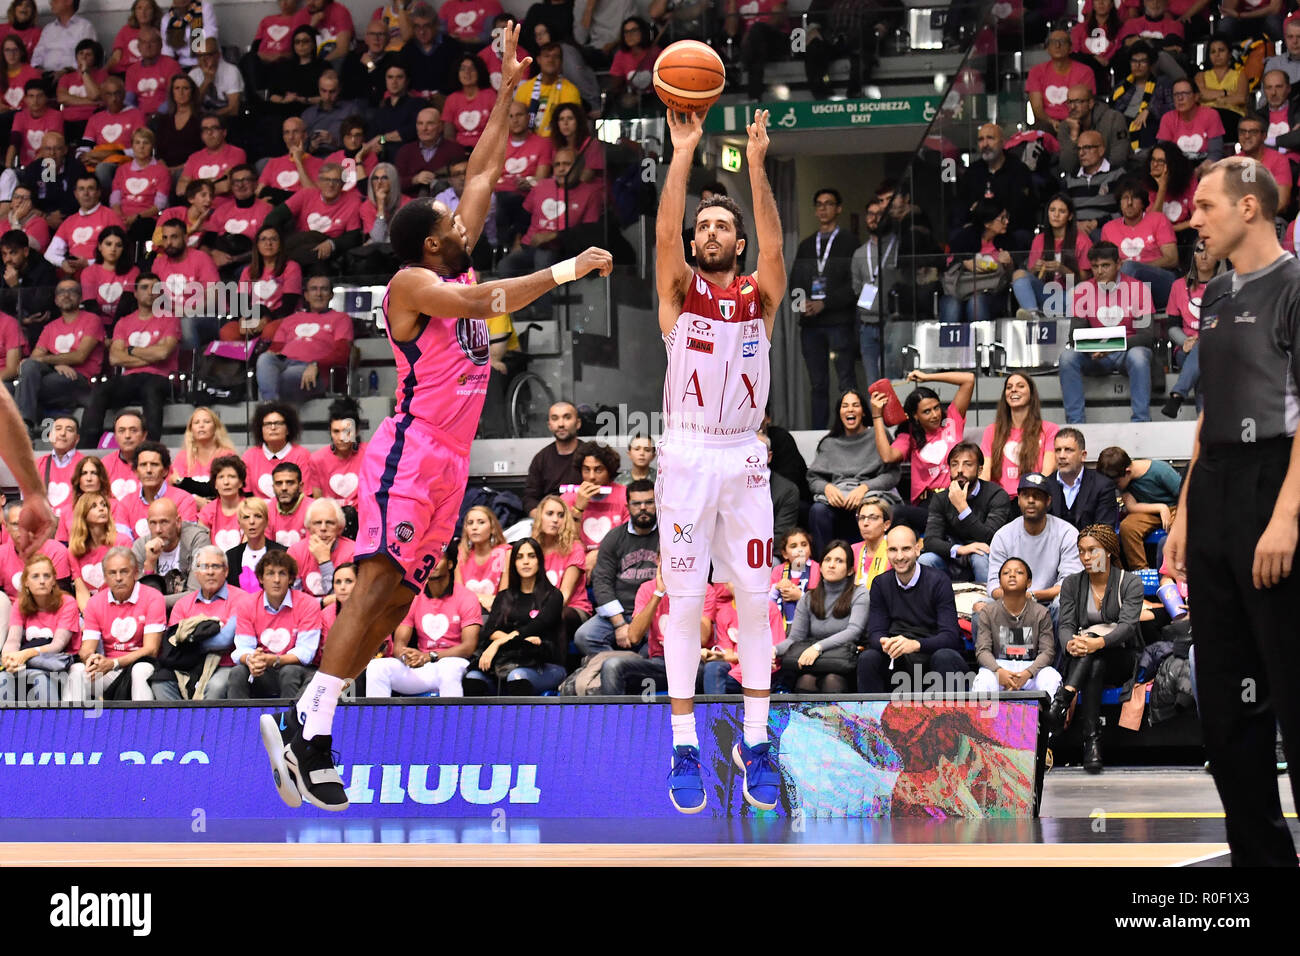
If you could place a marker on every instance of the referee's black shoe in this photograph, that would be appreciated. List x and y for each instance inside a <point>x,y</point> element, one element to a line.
<point>312,767</point>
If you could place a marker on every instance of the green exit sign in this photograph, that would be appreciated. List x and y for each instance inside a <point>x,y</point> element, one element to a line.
<point>731,159</point>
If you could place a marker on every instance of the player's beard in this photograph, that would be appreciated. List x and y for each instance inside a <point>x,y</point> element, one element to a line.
<point>718,260</point>
<point>457,262</point>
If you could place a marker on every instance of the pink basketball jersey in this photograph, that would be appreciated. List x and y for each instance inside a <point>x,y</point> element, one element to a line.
<point>442,373</point>
<point>718,373</point>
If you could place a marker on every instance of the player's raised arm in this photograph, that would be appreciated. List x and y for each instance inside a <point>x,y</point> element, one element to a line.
<point>767,223</point>
<point>36,522</point>
<point>488,159</point>
<point>672,274</point>
<point>421,291</point>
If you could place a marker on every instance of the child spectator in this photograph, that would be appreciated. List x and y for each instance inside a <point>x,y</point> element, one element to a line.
<point>1015,647</point>
<point>793,577</point>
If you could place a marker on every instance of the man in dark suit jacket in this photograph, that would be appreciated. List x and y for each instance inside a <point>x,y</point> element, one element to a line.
<point>1081,496</point>
<point>964,517</point>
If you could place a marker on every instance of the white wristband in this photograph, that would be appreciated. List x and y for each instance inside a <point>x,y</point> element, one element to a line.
<point>566,271</point>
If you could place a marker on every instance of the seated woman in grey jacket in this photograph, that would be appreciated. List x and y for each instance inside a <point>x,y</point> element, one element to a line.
<point>1100,610</point>
<point>846,469</point>
<point>820,654</point>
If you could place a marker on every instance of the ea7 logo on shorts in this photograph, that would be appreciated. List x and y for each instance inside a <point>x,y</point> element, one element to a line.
<point>699,345</point>
<point>749,349</point>
<point>682,564</point>
<point>756,481</point>
<point>404,531</point>
<point>727,307</point>
<point>682,534</point>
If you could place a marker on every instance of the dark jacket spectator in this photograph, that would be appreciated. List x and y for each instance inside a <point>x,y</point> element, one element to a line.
<point>53,195</point>
<point>624,562</point>
<point>988,509</point>
<point>1096,501</point>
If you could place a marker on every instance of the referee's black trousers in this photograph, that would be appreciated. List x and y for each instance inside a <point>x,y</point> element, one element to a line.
<point>1247,645</point>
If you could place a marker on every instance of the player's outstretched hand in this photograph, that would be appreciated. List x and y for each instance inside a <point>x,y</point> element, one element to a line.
<point>686,129</point>
<point>756,150</point>
<point>35,525</point>
<point>594,260</point>
<point>512,71</point>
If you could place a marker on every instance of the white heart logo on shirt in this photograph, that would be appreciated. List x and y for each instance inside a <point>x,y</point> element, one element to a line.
<point>175,284</point>
<point>237,227</point>
<point>14,96</point>
<point>1132,247</point>
<point>1110,315</point>
<point>466,20</point>
<point>264,288</point>
<point>226,538</point>
<point>277,32</point>
<point>1097,42</point>
<point>288,538</point>
<point>140,339</point>
<point>209,172</point>
<point>123,629</point>
<point>552,209</point>
<point>82,234</point>
<point>749,9</point>
<point>315,583</point>
<point>39,635</point>
<point>483,586</point>
<point>134,48</point>
<point>1056,95</point>
<point>471,119</point>
<point>57,492</point>
<point>553,577</point>
<point>16,581</point>
<point>122,487</point>
<point>93,574</point>
<point>110,133</point>
<point>1002,10</point>
<point>1191,145</point>
<point>1194,307</point>
<point>1172,210</point>
<point>34,137</point>
<point>1277,129</point>
<point>64,343</point>
<point>434,626</point>
<point>287,178</point>
<point>275,639</point>
<point>516,165</point>
<point>318,223</point>
<point>496,79</point>
<point>110,292</point>
<point>147,85</point>
<point>933,452</point>
<point>265,486</point>
<point>78,90</point>
<point>136,185</point>
<point>343,484</point>
<point>306,330</point>
<point>141,527</point>
<point>596,528</point>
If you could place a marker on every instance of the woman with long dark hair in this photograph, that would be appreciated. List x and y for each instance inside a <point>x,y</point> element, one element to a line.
<point>108,283</point>
<point>924,439</point>
<point>1020,441</point>
<point>980,251</point>
<point>295,80</point>
<point>1101,607</point>
<point>1058,253</point>
<point>467,109</point>
<point>1184,312</point>
<point>1095,39</point>
<point>572,131</point>
<point>88,475</point>
<point>1171,183</point>
<point>819,654</point>
<point>20,21</point>
<point>271,278</point>
<point>846,470</point>
<point>177,132</point>
<point>520,641</point>
<point>634,60</point>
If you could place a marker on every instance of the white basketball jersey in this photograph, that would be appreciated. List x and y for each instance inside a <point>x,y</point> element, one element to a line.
<point>718,369</point>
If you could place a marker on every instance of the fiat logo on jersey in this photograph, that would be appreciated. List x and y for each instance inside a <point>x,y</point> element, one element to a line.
<point>472,334</point>
<point>727,307</point>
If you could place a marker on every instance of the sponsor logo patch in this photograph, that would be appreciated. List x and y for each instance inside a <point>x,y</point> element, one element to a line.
<point>751,328</point>
<point>682,534</point>
<point>727,307</point>
<point>682,564</point>
<point>404,531</point>
<point>746,288</point>
<point>749,348</point>
<point>756,481</point>
<point>699,345</point>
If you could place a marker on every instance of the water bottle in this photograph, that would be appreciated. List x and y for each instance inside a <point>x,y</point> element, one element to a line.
<point>374,382</point>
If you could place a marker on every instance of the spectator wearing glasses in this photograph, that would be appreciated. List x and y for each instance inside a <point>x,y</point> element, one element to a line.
<point>1092,184</point>
<point>353,146</point>
<point>277,425</point>
<point>363,71</point>
<point>326,220</point>
<point>1171,187</point>
<point>305,346</point>
<point>68,353</point>
<point>1196,129</point>
<point>1143,97</point>
<point>121,633</point>
<point>235,222</point>
<point>1185,326</point>
<point>980,266</point>
<point>871,554</point>
<point>332,24</point>
<point>214,598</point>
<point>1250,141</point>
<point>1052,83</point>
<point>1087,113</point>
<point>221,85</point>
<point>282,176</point>
<point>214,161</point>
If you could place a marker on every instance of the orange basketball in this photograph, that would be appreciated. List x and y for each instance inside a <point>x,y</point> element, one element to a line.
<point>689,76</point>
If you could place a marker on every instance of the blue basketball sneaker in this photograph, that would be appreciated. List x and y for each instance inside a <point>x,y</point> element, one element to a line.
<point>685,785</point>
<point>762,780</point>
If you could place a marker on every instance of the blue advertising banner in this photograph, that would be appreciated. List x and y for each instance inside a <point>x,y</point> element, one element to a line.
<point>843,758</point>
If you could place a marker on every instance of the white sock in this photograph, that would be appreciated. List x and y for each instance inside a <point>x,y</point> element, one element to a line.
<point>317,703</point>
<point>684,731</point>
<point>756,720</point>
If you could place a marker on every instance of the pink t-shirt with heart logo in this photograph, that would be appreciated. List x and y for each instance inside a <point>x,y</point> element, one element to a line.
<point>312,336</point>
<point>121,628</point>
<point>929,463</point>
<point>136,188</point>
<point>483,577</point>
<point>281,173</point>
<point>11,565</point>
<point>1044,79</point>
<point>601,515</point>
<point>522,160</point>
<point>555,564</point>
<point>231,219</point>
<point>468,20</point>
<point>150,83</point>
<point>60,337</point>
<point>468,117</point>
<point>105,288</point>
<point>280,630</point>
<point>1140,243</point>
<point>206,164</point>
<point>313,214</point>
<point>339,477</point>
<point>309,576</point>
<point>275,35</point>
<point>267,291</point>
<point>75,85</point>
<point>105,128</point>
<point>1193,135</point>
<point>80,231</point>
<point>438,622</point>
<point>29,130</point>
<point>146,331</point>
<point>38,629</point>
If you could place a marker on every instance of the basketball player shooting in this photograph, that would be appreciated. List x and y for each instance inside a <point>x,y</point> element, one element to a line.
<point>712,490</point>
<point>414,473</point>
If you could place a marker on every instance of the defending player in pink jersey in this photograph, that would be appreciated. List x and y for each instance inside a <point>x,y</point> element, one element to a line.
<point>414,473</point>
<point>712,489</point>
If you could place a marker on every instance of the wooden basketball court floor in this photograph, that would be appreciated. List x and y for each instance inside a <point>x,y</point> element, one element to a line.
<point>1147,817</point>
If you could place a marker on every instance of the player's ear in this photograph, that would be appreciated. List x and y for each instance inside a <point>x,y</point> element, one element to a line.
<point>740,247</point>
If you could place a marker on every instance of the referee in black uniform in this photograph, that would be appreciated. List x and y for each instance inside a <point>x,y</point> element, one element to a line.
<point>1235,532</point>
